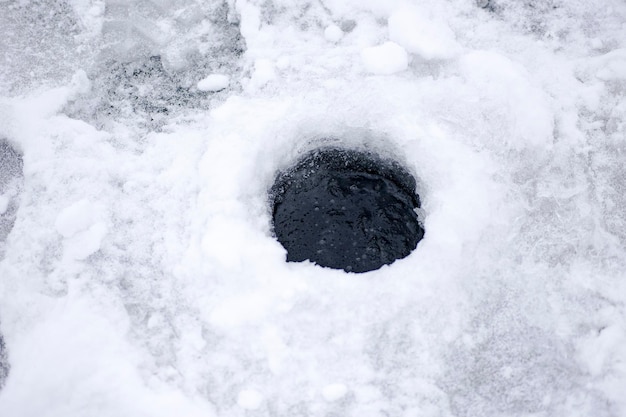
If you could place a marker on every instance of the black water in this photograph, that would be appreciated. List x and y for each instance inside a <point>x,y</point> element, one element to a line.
<point>346,209</point>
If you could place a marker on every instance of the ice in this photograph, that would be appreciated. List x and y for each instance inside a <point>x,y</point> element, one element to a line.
<point>214,82</point>
<point>385,59</point>
<point>4,203</point>
<point>11,166</point>
<point>141,277</point>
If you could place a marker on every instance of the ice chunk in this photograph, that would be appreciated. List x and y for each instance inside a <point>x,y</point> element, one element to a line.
<point>333,33</point>
<point>385,59</point>
<point>214,82</point>
<point>422,35</point>
<point>334,392</point>
<point>249,399</point>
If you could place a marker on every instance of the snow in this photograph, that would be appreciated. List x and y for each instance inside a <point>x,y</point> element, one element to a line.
<point>385,59</point>
<point>214,82</point>
<point>264,72</point>
<point>75,218</point>
<point>249,399</point>
<point>333,33</point>
<point>334,392</point>
<point>423,35</point>
<point>84,244</point>
<point>140,276</point>
<point>612,66</point>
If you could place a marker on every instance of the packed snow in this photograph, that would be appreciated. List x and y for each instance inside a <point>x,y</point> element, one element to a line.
<point>138,270</point>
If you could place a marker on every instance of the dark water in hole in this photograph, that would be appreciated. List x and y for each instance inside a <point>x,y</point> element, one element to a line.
<point>346,209</point>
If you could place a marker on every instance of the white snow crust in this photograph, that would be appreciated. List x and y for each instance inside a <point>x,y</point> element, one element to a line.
<point>141,278</point>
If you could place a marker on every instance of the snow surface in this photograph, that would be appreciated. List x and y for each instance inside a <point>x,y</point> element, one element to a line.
<point>141,278</point>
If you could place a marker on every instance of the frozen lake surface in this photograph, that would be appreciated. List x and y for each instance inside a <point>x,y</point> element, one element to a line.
<point>139,275</point>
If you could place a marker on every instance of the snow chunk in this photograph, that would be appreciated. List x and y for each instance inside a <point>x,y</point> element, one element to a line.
<point>385,59</point>
<point>74,219</point>
<point>249,399</point>
<point>214,82</point>
<point>333,33</point>
<point>4,204</point>
<point>422,35</point>
<point>334,392</point>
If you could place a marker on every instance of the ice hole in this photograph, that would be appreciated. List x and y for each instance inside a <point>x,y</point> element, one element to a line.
<point>346,209</point>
